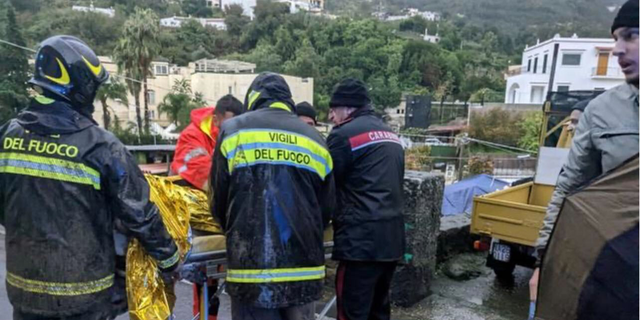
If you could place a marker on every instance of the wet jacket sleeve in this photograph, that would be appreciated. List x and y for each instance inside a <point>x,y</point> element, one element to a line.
<point>128,191</point>
<point>327,199</point>
<point>219,185</point>
<point>582,165</point>
<point>340,150</point>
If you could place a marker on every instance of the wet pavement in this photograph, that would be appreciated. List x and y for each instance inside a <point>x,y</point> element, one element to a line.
<point>484,297</point>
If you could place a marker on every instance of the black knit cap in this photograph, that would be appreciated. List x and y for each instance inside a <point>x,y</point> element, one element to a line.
<point>350,93</point>
<point>306,109</point>
<point>627,16</point>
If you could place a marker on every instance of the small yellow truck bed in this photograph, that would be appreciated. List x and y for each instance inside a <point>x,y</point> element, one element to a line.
<point>514,214</point>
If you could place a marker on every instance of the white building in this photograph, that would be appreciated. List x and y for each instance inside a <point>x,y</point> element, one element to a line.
<point>582,64</point>
<point>313,6</point>
<point>176,22</point>
<point>212,78</point>
<point>106,11</point>
<point>408,13</point>
<point>247,5</point>
<point>430,38</point>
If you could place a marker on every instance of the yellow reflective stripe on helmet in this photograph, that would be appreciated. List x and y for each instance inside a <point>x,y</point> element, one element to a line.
<point>44,100</point>
<point>49,168</point>
<point>167,263</point>
<point>64,75</point>
<point>59,288</point>
<point>276,275</point>
<point>276,147</point>
<point>95,69</point>
<point>253,96</point>
<point>280,105</point>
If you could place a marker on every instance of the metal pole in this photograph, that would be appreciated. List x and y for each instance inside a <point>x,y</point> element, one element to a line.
<point>552,76</point>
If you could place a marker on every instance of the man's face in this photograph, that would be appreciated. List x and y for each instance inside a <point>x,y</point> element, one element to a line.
<point>573,120</point>
<point>626,49</point>
<point>220,118</point>
<point>338,115</point>
<point>308,120</point>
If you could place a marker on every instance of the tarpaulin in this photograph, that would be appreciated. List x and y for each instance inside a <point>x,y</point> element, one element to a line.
<point>458,197</point>
<point>590,269</point>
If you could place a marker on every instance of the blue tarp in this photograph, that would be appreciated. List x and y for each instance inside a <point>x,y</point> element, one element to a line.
<point>458,197</point>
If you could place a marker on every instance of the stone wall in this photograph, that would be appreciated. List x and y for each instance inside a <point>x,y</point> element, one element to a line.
<point>422,204</point>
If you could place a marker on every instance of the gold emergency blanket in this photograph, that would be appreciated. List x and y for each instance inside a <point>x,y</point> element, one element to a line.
<point>201,218</point>
<point>147,295</point>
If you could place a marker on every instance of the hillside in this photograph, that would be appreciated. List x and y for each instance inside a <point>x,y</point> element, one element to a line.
<point>585,17</point>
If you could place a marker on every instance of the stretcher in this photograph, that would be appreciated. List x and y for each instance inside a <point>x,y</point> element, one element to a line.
<point>211,251</point>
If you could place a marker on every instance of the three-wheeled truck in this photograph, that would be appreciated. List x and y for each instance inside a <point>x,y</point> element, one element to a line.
<point>508,221</point>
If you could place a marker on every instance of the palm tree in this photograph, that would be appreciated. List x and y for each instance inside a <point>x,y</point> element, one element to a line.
<point>114,90</point>
<point>135,52</point>
<point>174,104</point>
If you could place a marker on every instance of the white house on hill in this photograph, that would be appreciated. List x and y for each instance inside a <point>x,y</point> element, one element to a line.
<point>582,64</point>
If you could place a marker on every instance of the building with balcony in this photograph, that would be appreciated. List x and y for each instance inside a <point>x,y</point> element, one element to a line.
<point>210,77</point>
<point>582,64</point>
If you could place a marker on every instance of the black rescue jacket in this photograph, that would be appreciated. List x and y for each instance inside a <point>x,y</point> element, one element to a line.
<point>368,163</point>
<point>64,183</point>
<point>272,191</point>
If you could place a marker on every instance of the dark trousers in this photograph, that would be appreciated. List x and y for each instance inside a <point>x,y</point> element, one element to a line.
<point>362,289</point>
<point>17,315</point>
<point>242,311</point>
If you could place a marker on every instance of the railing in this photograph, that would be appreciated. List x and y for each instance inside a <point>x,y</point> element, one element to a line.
<point>602,72</point>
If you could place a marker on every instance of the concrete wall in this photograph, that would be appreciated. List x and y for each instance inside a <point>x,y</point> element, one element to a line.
<point>423,194</point>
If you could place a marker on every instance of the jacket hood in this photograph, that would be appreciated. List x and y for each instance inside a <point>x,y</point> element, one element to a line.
<point>46,116</point>
<point>267,89</point>
<point>197,115</point>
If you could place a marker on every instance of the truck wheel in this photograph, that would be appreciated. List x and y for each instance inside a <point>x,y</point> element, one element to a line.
<point>503,270</point>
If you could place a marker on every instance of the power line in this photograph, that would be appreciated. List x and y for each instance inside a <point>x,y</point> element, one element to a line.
<point>115,74</point>
<point>17,46</point>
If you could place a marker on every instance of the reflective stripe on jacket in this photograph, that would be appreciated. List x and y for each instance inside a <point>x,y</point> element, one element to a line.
<point>64,183</point>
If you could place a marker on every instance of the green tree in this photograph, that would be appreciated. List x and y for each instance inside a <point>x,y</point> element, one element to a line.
<point>179,103</point>
<point>173,104</point>
<point>135,52</point>
<point>99,31</point>
<point>114,90</point>
<point>530,126</point>
<point>306,63</point>
<point>196,8</point>
<point>13,68</point>
<point>266,58</point>
<point>235,20</point>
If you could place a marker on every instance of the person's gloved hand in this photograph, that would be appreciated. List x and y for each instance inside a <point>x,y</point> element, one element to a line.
<point>171,276</point>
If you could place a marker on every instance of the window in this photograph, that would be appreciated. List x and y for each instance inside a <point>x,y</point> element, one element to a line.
<point>544,63</point>
<point>563,88</point>
<point>151,96</point>
<point>153,114</point>
<point>162,70</point>
<point>535,65</point>
<point>571,59</point>
<point>230,90</point>
<point>529,66</point>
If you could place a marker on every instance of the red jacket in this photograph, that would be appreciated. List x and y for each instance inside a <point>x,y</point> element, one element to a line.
<point>194,151</point>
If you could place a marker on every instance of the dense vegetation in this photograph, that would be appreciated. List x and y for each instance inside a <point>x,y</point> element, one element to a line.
<point>467,64</point>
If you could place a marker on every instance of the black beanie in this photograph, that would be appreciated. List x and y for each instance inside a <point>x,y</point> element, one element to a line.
<point>306,109</point>
<point>627,16</point>
<point>350,93</point>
